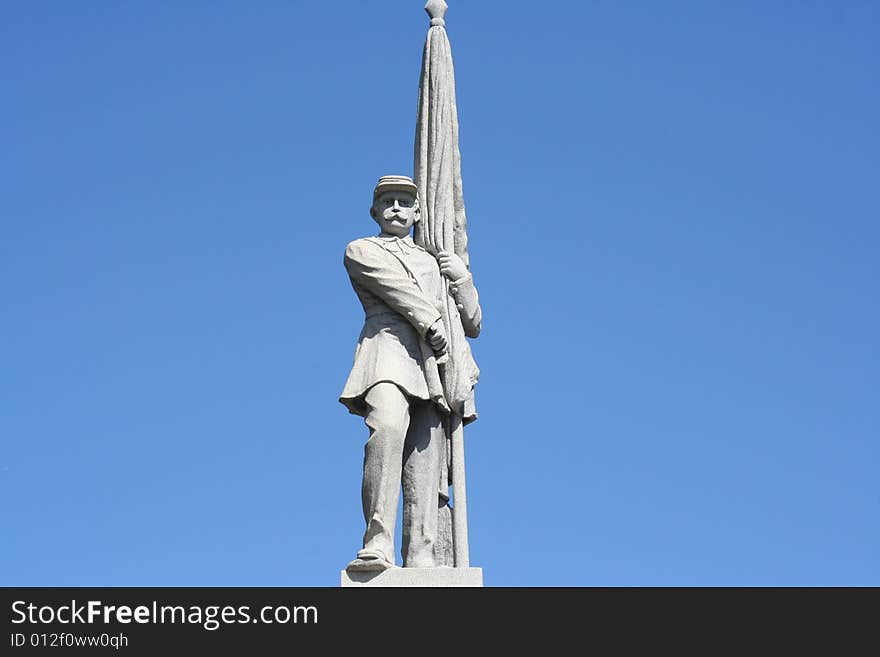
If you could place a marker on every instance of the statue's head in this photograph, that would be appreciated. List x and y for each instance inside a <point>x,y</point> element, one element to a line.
<point>395,205</point>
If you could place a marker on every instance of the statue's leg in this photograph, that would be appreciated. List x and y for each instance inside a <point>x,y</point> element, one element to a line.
<point>421,472</point>
<point>387,418</point>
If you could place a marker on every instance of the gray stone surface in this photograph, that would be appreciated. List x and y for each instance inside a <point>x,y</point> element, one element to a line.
<point>424,577</point>
<point>396,381</point>
<point>413,376</point>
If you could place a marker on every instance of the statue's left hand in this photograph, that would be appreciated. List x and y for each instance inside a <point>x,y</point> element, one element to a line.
<point>451,266</point>
<point>436,337</point>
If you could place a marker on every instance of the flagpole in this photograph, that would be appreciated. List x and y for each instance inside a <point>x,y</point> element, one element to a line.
<point>443,228</point>
<point>459,494</point>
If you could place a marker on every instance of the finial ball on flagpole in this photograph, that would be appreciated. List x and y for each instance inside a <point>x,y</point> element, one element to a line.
<point>437,10</point>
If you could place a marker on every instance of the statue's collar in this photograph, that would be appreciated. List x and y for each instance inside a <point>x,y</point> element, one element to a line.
<point>408,240</point>
<point>401,244</point>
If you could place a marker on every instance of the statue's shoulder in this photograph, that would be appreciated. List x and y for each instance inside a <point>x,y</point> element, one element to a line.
<point>360,243</point>
<point>364,248</point>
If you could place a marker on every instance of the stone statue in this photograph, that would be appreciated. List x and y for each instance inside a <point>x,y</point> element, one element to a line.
<point>396,380</point>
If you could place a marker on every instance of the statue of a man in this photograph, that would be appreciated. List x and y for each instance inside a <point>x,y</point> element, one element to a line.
<point>394,383</point>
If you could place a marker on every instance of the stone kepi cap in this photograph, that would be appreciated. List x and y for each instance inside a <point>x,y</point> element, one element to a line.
<point>395,183</point>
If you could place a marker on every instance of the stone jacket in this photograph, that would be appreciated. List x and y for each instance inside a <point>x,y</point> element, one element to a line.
<point>400,305</point>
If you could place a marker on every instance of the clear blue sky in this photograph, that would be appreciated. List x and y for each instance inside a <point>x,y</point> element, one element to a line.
<point>674,230</point>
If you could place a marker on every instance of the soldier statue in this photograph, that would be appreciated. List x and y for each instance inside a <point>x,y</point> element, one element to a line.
<point>396,380</point>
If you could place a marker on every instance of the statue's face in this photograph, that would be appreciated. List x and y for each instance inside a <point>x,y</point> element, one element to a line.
<point>395,212</point>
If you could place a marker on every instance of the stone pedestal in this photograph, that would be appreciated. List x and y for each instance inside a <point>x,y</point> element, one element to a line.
<point>424,577</point>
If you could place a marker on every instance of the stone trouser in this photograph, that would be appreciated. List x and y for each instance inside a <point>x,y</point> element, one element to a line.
<point>404,448</point>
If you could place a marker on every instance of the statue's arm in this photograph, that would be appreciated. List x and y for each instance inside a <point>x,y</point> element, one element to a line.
<point>370,266</point>
<point>464,292</point>
<point>462,289</point>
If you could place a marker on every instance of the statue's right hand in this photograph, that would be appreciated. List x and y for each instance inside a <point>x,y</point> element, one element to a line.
<point>436,337</point>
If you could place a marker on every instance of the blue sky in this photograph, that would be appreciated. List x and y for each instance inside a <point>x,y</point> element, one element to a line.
<point>673,228</point>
